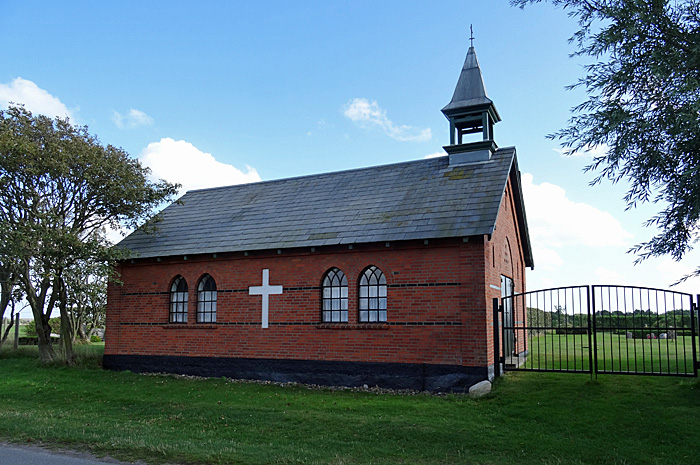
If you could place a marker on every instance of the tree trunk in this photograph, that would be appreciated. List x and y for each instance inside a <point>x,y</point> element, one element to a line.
<point>82,334</point>
<point>41,319</point>
<point>66,336</point>
<point>8,328</point>
<point>5,300</point>
<point>46,351</point>
<point>66,327</point>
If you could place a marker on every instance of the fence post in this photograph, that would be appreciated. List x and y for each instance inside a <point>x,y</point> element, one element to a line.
<point>17,332</point>
<point>593,348</point>
<point>695,328</point>
<point>496,340</point>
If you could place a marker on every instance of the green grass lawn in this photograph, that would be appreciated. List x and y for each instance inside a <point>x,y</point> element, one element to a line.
<point>529,418</point>
<point>615,353</point>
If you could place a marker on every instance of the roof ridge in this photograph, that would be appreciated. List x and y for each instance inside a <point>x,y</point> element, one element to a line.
<point>327,173</point>
<point>333,173</point>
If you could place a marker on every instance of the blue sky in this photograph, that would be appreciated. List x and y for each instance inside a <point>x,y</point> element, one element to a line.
<point>228,92</point>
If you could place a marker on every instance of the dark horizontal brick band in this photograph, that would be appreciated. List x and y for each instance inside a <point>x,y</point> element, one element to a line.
<point>423,285</point>
<point>346,326</point>
<point>305,288</point>
<point>425,323</point>
<point>318,324</point>
<point>147,293</point>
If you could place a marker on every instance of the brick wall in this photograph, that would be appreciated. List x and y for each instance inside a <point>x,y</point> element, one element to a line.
<point>506,257</point>
<point>439,302</point>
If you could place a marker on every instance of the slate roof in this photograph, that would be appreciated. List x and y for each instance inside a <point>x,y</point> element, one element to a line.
<point>421,199</point>
<point>470,90</point>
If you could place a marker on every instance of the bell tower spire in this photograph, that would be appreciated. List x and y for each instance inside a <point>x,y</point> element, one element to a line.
<point>470,112</point>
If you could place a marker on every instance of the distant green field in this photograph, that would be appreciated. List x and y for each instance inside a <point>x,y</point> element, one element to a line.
<point>615,353</point>
<point>22,330</point>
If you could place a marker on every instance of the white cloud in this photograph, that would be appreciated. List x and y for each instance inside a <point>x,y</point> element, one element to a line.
<point>546,258</point>
<point>368,114</point>
<point>181,162</point>
<point>34,98</point>
<point>672,271</point>
<point>557,221</point>
<point>133,119</point>
<point>435,155</point>
<point>611,277</point>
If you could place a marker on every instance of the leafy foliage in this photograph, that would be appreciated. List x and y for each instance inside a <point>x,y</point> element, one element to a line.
<point>54,324</point>
<point>541,322</point>
<point>60,189</point>
<point>86,299</point>
<point>644,107</point>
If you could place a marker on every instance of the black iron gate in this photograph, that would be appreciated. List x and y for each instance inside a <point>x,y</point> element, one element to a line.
<point>598,329</point>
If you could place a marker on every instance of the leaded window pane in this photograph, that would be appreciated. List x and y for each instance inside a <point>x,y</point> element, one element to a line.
<point>334,297</point>
<point>178,301</point>
<point>206,300</point>
<point>372,295</point>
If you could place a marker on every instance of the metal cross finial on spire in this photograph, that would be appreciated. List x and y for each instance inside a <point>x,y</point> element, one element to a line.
<point>471,29</point>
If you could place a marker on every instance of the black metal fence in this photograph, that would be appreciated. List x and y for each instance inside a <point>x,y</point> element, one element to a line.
<point>598,329</point>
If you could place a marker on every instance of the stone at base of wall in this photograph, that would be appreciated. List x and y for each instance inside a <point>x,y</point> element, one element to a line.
<point>480,389</point>
<point>416,376</point>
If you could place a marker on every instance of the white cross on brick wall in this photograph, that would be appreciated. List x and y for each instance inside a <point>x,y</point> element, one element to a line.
<point>265,291</point>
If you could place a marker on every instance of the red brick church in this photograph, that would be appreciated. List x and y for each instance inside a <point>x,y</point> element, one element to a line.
<point>380,276</point>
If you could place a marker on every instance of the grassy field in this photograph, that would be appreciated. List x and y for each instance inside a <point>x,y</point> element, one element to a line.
<point>615,353</point>
<point>530,418</point>
<point>11,336</point>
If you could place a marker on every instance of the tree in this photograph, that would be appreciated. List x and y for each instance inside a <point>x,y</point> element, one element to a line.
<point>86,286</point>
<point>11,296</point>
<point>60,189</point>
<point>644,106</point>
<point>7,296</point>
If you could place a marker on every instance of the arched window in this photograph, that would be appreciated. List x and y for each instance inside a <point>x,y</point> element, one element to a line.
<point>372,295</point>
<point>206,300</point>
<point>178,301</point>
<point>335,297</point>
